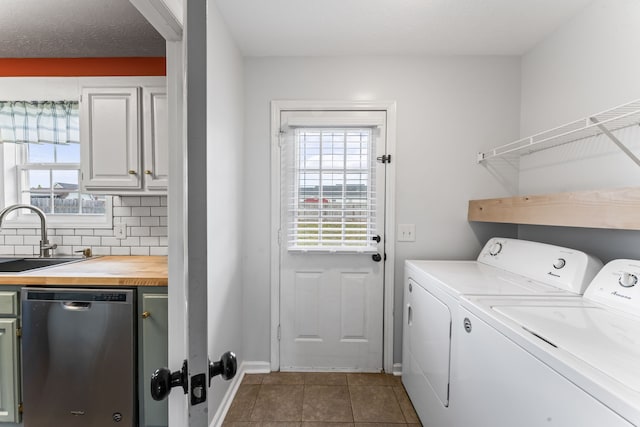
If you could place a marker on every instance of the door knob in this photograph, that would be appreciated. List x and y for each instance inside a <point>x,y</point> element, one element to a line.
<point>226,367</point>
<point>376,257</point>
<point>376,238</point>
<point>163,380</point>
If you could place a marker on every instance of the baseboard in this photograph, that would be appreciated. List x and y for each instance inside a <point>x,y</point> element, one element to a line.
<point>243,369</point>
<point>397,369</point>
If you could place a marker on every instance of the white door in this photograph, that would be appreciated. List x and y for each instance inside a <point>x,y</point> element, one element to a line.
<point>332,240</point>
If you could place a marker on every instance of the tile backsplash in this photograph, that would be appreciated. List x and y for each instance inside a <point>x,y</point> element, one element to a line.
<point>145,219</point>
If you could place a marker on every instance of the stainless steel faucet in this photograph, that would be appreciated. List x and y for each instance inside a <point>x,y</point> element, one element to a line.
<point>45,247</point>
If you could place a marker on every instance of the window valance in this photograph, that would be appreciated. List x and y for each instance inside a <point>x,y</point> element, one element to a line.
<point>40,122</point>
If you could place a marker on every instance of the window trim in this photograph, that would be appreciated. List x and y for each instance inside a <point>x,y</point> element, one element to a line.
<point>23,219</point>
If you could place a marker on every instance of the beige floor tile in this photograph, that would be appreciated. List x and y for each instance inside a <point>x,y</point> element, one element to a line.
<point>329,403</point>
<point>253,379</point>
<point>325,378</point>
<point>375,404</point>
<point>280,424</point>
<point>323,424</point>
<point>370,379</point>
<point>241,424</point>
<point>405,405</point>
<point>284,378</point>
<point>278,402</point>
<point>381,425</point>
<point>243,402</point>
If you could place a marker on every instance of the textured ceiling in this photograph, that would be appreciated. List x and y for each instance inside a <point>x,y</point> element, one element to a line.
<point>393,27</point>
<point>75,28</point>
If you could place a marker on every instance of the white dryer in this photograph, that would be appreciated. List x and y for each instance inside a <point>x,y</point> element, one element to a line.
<point>553,361</point>
<point>431,297</point>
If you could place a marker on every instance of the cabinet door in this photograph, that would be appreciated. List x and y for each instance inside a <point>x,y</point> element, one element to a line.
<point>110,138</point>
<point>155,345</point>
<point>9,375</point>
<point>156,138</point>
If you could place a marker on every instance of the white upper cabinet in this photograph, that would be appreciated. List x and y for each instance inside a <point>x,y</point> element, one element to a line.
<point>124,140</point>
<point>156,138</point>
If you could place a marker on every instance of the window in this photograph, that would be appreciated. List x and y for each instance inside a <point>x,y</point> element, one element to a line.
<point>332,193</point>
<point>41,153</point>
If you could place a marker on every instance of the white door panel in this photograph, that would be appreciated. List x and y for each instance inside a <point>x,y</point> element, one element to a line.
<point>331,290</point>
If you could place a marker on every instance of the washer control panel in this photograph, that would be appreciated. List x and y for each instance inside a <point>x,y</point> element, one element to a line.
<point>616,285</point>
<point>563,268</point>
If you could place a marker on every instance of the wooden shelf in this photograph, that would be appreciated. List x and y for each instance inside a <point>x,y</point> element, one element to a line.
<point>613,209</point>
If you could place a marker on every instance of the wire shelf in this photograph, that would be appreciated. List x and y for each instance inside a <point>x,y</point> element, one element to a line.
<point>602,123</point>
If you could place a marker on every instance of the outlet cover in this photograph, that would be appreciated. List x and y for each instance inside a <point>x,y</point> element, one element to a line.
<point>406,233</point>
<point>120,231</point>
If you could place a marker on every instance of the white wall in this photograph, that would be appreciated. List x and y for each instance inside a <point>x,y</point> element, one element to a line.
<point>589,64</point>
<point>224,186</point>
<point>448,108</point>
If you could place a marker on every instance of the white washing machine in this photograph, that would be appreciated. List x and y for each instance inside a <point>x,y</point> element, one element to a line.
<point>431,297</point>
<point>553,361</point>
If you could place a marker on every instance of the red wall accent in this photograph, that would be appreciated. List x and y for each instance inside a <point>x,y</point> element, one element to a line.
<point>82,67</point>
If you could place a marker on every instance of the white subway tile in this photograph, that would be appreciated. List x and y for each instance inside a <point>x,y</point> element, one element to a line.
<point>150,201</point>
<point>149,241</point>
<point>110,241</point>
<point>117,201</point>
<point>141,211</point>
<point>130,200</point>
<point>33,240</point>
<point>55,239</point>
<point>28,231</point>
<point>8,231</point>
<point>149,221</point>
<point>65,232</point>
<point>6,250</point>
<point>131,221</point>
<point>84,231</point>
<point>164,221</point>
<point>64,250</point>
<point>1,240</point>
<point>158,231</point>
<point>72,240</point>
<point>120,251</point>
<point>164,241</point>
<point>130,241</point>
<point>26,250</point>
<point>101,250</point>
<point>103,232</point>
<point>14,240</point>
<point>91,240</point>
<point>140,250</point>
<point>122,211</point>
<point>159,211</point>
<point>163,200</point>
<point>158,251</point>
<point>139,231</point>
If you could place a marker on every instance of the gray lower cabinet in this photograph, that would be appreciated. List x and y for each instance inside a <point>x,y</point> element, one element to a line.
<point>9,358</point>
<point>153,348</point>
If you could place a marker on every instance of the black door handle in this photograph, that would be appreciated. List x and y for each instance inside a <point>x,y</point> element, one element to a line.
<point>226,367</point>
<point>376,257</point>
<point>163,380</point>
<point>376,238</point>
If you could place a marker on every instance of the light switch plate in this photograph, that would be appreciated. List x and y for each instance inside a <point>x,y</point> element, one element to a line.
<point>406,233</point>
<point>120,231</point>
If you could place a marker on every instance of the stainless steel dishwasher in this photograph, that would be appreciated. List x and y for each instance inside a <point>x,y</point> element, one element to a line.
<point>78,357</point>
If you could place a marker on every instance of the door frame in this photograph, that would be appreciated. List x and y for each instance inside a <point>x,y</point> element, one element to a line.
<point>277,106</point>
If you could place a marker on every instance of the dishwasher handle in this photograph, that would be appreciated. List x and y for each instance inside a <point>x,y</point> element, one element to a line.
<point>76,305</point>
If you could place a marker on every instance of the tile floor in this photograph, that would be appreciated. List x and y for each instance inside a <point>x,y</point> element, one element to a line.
<point>292,399</point>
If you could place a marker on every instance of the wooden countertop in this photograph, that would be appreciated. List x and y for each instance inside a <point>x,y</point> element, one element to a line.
<point>106,271</point>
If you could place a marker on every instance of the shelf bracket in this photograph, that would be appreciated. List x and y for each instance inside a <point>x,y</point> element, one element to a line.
<point>616,141</point>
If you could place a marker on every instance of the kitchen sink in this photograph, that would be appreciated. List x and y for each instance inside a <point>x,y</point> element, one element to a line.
<point>17,265</point>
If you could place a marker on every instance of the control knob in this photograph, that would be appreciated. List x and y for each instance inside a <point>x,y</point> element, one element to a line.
<point>627,279</point>
<point>495,249</point>
<point>559,263</point>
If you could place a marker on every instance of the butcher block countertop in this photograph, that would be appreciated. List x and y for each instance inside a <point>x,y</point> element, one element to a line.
<point>100,271</point>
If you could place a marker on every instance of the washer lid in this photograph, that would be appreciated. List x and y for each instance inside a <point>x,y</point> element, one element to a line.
<point>605,339</point>
<point>474,278</point>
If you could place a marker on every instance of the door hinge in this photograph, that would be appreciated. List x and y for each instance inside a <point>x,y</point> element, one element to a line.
<point>18,332</point>
<point>386,158</point>
<point>279,332</point>
<point>20,408</point>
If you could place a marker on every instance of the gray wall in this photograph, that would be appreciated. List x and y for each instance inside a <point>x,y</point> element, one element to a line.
<point>224,185</point>
<point>448,109</point>
<point>588,65</point>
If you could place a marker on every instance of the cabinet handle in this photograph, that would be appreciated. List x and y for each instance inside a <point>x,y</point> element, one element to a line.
<point>132,172</point>
<point>146,314</point>
<point>148,172</point>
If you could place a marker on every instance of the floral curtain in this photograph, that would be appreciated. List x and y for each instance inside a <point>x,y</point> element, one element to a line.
<point>40,122</point>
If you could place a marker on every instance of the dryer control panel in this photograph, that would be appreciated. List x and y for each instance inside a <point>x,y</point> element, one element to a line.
<point>567,269</point>
<point>616,286</point>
